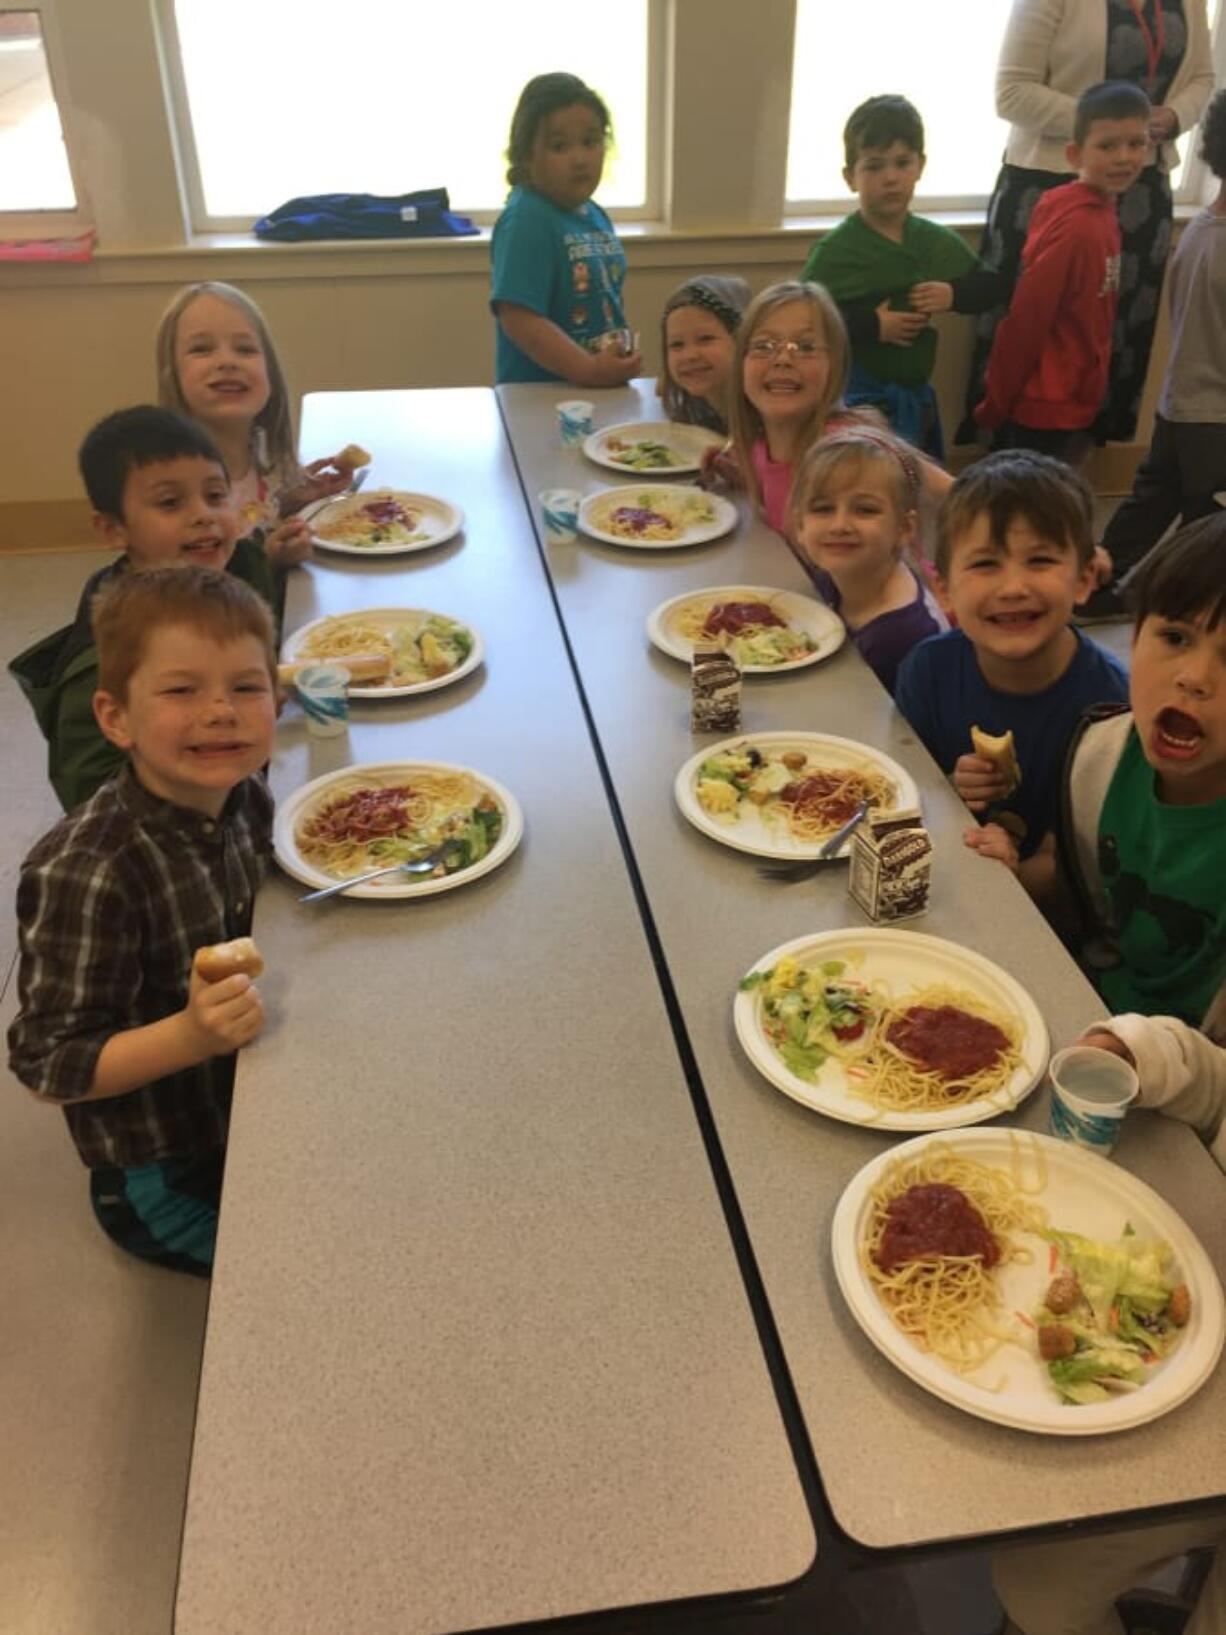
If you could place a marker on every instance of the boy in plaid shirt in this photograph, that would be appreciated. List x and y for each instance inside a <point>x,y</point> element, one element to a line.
<point>114,1025</point>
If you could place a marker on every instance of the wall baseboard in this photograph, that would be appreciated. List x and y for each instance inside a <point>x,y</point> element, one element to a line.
<point>46,525</point>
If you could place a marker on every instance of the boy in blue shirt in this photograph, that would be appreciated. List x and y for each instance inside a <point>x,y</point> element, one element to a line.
<point>890,271</point>
<point>1014,557</point>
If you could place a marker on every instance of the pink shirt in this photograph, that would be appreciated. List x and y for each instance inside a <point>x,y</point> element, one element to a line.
<point>775,480</point>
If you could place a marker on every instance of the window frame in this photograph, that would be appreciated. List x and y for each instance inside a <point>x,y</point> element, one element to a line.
<point>51,223</point>
<point>201,222</point>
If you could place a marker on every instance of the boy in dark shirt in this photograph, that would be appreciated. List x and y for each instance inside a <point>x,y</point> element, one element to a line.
<point>1051,354</point>
<point>115,1025</point>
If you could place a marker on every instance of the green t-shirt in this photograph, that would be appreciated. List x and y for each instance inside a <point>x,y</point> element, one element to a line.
<point>1164,871</point>
<point>856,262</point>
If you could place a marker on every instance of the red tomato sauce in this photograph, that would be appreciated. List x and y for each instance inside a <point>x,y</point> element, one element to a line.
<point>931,1220</point>
<point>946,1040</point>
<point>733,617</point>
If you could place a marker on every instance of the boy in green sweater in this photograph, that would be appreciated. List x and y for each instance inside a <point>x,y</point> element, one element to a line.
<point>890,271</point>
<point>161,494</point>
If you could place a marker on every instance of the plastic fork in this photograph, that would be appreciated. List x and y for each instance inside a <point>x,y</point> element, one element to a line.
<point>420,865</point>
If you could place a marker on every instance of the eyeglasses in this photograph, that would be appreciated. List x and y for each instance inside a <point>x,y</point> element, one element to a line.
<point>764,347</point>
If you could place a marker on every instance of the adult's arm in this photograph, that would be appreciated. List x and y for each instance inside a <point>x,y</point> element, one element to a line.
<point>1190,101</point>
<point>1022,95</point>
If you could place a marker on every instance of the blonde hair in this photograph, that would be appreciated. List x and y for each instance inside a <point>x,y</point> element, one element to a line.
<point>744,421</point>
<point>840,458</point>
<point>273,447</point>
<point>216,605</point>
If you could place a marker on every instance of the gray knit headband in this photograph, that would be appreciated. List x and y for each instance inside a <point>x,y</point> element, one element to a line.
<point>697,295</point>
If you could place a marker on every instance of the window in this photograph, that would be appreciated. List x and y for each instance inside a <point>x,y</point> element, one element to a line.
<point>833,70</point>
<point>34,174</point>
<point>292,97</point>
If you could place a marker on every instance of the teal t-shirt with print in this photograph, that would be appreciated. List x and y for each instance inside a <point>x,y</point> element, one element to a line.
<point>1164,871</point>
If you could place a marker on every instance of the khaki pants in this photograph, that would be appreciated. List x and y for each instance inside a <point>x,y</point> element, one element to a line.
<point>1069,1588</point>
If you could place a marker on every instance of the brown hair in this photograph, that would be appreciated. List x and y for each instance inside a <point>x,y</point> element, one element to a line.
<point>279,455</point>
<point>548,94</point>
<point>725,299</point>
<point>217,605</point>
<point>841,457</point>
<point>1054,499</point>
<point>744,421</point>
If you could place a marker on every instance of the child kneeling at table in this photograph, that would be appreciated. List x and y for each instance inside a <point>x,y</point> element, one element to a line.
<point>1070,1588</point>
<point>1014,557</point>
<point>122,1023</point>
<point>161,495</point>
<point>1142,850</point>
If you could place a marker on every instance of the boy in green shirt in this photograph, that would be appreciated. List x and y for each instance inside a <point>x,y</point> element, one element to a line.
<point>891,271</point>
<point>160,493</point>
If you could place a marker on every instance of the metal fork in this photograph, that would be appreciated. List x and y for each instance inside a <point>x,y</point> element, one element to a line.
<point>355,482</point>
<point>420,865</point>
<point>826,852</point>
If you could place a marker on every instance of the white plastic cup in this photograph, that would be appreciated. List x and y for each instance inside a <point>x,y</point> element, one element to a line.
<point>574,422</point>
<point>560,510</point>
<point>324,691</point>
<point>1091,1091</point>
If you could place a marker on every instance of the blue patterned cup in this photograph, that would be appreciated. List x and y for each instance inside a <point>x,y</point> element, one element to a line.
<point>560,509</point>
<point>324,691</point>
<point>1091,1091</point>
<point>574,422</point>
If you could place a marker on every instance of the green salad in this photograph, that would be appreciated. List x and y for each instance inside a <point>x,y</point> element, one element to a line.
<point>1111,1312</point>
<point>644,454</point>
<point>809,1012</point>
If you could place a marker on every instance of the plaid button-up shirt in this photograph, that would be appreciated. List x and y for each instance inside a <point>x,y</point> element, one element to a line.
<point>111,905</point>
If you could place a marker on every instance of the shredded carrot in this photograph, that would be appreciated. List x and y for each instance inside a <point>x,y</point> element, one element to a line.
<point>1022,1318</point>
<point>1113,1319</point>
<point>1149,1357</point>
<point>1052,1260</point>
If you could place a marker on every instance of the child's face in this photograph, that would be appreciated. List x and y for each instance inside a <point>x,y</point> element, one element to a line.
<point>219,360</point>
<point>698,351</point>
<point>884,180</point>
<point>787,364</point>
<point>1177,687</point>
<point>1014,600</point>
<point>198,717</point>
<point>567,156</point>
<point>853,526</point>
<point>1112,155</point>
<point>176,513</point>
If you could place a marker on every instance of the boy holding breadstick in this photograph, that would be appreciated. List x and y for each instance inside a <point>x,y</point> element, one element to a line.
<point>129,1018</point>
<point>997,700</point>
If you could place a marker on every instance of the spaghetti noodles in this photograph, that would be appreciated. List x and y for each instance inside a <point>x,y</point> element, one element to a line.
<point>381,518</point>
<point>927,1204</point>
<point>811,799</point>
<point>421,648</point>
<point>359,826</point>
<point>753,631</point>
<point>652,516</point>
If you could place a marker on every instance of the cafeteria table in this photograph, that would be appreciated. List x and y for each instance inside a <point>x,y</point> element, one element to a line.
<point>899,1468</point>
<point>479,1348</point>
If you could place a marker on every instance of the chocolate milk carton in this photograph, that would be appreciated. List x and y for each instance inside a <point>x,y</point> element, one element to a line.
<point>715,698</point>
<point>891,865</point>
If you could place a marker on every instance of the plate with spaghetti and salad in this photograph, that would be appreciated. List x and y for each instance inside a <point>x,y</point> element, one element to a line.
<point>783,794</point>
<point>658,446</point>
<point>656,519</point>
<point>765,630</point>
<point>371,816</point>
<point>891,1028</point>
<point>1027,1281</point>
<point>385,522</point>
<point>424,650</point>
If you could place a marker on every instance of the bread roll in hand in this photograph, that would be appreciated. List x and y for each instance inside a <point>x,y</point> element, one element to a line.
<point>222,959</point>
<point>1001,753</point>
<point>351,457</point>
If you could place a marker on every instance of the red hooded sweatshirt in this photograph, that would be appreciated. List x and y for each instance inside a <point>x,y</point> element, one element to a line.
<point>1052,351</point>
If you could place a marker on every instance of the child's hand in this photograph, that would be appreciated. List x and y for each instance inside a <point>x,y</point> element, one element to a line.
<point>1102,565</point>
<point>899,328</point>
<point>979,782</point>
<point>991,840</point>
<point>289,543</point>
<point>319,481</point>
<point>1100,1039</point>
<point>719,469</point>
<point>933,296</point>
<point>223,1016</point>
<point>613,368</point>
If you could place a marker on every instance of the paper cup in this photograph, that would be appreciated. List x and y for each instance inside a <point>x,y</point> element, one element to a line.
<point>324,691</point>
<point>560,509</point>
<point>1091,1091</point>
<point>574,422</point>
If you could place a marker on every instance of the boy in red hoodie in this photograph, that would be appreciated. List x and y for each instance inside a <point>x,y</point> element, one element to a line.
<point>1047,374</point>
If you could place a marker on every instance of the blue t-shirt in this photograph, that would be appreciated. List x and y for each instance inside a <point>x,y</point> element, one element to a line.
<point>942,693</point>
<point>566,265</point>
<point>885,641</point>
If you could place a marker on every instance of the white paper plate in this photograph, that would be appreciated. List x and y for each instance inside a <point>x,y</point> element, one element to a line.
<point>686,443</point>
<point>906,961</point>
<point>286,851</point>
<point>820,623</point>
<point>1086,1194</point>
<point>387,620</point>
<point>594,511</point>
<point>748,832</point>
<point>440,521</point>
